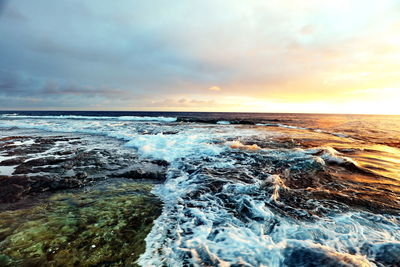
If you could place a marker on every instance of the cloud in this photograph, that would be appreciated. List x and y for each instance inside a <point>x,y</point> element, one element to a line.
<point>123,55</point>
<point>2,4</point>
<point>214,88</point>
<point>182,103</point>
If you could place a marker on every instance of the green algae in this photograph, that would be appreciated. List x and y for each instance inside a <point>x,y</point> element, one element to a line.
<point>103,226</point>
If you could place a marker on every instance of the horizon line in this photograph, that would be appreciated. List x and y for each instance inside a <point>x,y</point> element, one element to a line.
<point>166,111</point>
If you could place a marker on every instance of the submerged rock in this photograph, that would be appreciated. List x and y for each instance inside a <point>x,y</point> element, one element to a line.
<point>105,225</point>
<point>15,188</point>
<point>68,202</point>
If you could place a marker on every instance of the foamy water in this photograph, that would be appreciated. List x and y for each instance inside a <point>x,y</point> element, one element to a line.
<point>260,193</point>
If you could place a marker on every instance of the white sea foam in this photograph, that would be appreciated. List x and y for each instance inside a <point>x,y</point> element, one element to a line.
<point>274,183</point>
<point>24,143</point>
<point>7,170</point>
<point>291,127</point>
<point>148,139</point>
<point>201,228</point>
<point>330,155</point>
<point>238,144</point>
<point>212,235</point>
<point>170,147</point>
<point>76,117</point>
<point>265,124</point>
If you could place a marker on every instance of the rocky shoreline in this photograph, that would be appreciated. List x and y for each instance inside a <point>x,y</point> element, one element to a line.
<point>68,200</point>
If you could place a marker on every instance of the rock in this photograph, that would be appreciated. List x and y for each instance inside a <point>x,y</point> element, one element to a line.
<point>70,164</point>
<point>11,193</point>
<point>156,173</point>
<point>13,138</point>
<point>105,226</point>
<point>26,167</point>
<point>81,175</point>
<point>15,188</point>
<point>299,256</point>
<point>13,161</point>
<point>387,254</point>
<point>161,162</point>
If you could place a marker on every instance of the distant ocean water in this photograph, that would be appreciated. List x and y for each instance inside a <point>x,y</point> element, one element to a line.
<point>252,189</point>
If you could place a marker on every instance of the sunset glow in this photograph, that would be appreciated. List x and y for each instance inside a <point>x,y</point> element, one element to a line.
<point>200,133</point>
<point>243,56</point>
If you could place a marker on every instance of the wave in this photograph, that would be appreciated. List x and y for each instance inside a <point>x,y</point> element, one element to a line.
<point>228,202</point>
<point>163,141</point>
<point>237,144</point>
<point>329,155</point>
<point>9,114</point>
<point>216,121</point>
<point>274,183</point>
<point>223,122</point>
<point>78,117</point>
<point>213,216</point>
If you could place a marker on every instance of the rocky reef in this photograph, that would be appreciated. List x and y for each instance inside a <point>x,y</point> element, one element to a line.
<point>68,201</point>
<point>101,226</point>
<point>36,164</point>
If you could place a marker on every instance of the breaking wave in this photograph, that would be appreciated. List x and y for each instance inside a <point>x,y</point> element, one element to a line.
<point>224,210</point>
<point>78,117</point>
<point>248,195</point>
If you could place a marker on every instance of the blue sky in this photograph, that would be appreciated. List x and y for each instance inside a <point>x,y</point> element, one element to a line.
<point>198,55</point>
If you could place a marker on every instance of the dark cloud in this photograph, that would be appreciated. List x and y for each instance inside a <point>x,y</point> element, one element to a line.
<point>16,84</point>
<point>21,91</point>
<point>54,88</point>
<point>2,5</point>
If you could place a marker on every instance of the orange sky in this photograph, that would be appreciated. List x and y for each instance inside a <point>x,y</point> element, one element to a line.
<point>316,56</point>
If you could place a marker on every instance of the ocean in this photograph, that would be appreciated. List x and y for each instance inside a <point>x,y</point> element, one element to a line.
<point>237,189</point>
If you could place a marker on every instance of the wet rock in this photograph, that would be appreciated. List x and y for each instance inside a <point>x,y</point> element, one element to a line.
<point>27,166</point>
<point>48,183</point>
<point>387,254</point>
<point>13,161</point>
<point>12,193</point>
<point>161,162</point>
<point>71,163</point>
<point>13,138</point>
<point>81,175</point>
<point>318,256</point>
<point>142,171</point>
<point>15,188</point>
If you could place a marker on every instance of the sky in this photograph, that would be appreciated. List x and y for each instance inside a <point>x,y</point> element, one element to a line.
<point>314,56</point>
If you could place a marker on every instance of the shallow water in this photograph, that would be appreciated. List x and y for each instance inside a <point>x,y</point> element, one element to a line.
<point>259,189</point>
<point>90,227</point>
